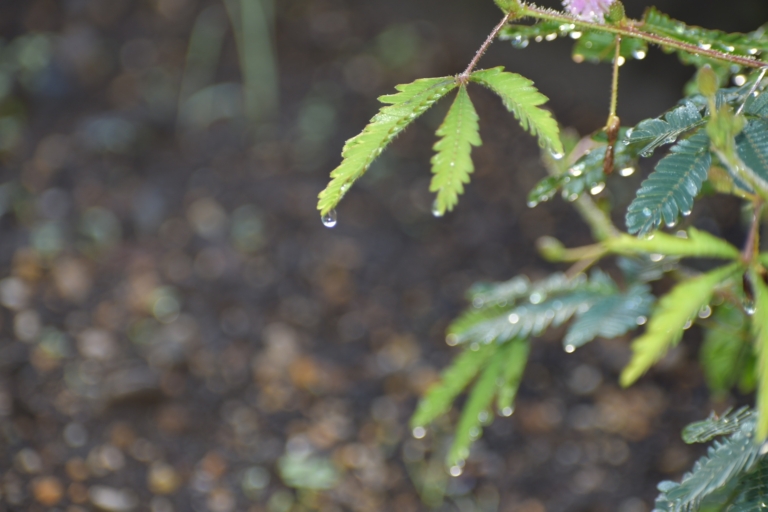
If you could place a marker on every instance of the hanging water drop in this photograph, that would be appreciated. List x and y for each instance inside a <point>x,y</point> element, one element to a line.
<point>538,39</point>
<point>556,155</point>
<point>578,58</point>
<point>749,307</point>
<point>419,432</point>
<point>329,219</point>
<point>576,171</point>
<point>705,46</point>
<point>519,42</point>
<point>532,204</point>
<point>688,325</point>
<point>437,212</point>
<point>507,411</point>
<point>483,417</point>
<point>753,51</point>
<point>739,80</point>
<point>570,349</point>
<point>639,54</point>
<point>641,320</point>
<point>627,171</point>
<point>452,340</point>
<point>656,257</point>
<point>671,223</point>
<point>474,433</point>
<point>621,60</point>
<point>597,188</point>
<point>513,318</point>
<point>705,312</point>
<point>551,37</point>
<point>575,35</point>
<point>455,471</point>
<point>686,213</point>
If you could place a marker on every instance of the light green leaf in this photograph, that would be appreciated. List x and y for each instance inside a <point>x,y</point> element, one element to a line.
<point>752,147</point>
<point>760,331</point>
<point>699,244</point>
<point>514,356</point>
<point>726,351</point>
<point>452,163</point>
<point>672,187</point>
<point>522,99</point>
<point>673,312</point>
<point>476,412</point>
<point>453,380</point>
<point>359,152</point>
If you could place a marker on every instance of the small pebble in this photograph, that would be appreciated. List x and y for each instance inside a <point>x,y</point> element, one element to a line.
<point>110,499</point>
<point>162,478</point>
<point>47,490</point>
<point>77,469</point>
<point>221,500</point>
<point>29,461</point>
<point>77,492</point>
<point>75,435</point>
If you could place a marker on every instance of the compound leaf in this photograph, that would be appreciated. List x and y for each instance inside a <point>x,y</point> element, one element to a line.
<point>752,490</point>
<point>752,147</point>
<point>760,331</point>
<point>699,244</point>
<point>514,356</point>
<point>715,426</point>
<point>727,349</point>
<point>476,412</point>
<point>610,316</point>
<point>672,187</point>
<point>452,163</point>
<point>652,133</point>
<point>669,320</point>
<point>522,99</point>
<point>453,380</point>
<point>359,152</point>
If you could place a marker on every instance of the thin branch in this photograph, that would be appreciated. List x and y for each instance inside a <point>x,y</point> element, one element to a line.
<point>629,29</point>
<point>752,246</point>
<point>481,51</point>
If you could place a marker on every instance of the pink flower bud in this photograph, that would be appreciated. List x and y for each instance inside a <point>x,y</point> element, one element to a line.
<point>588,10</point>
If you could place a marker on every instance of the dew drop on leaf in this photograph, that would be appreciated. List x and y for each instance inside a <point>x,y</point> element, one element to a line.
<point>647,212</point>
<point>646,154</point>
<point>556,155</point>
<point>638,54</point>
<point>452,340</point>
<point>419,432</point>
<point>482,417</point>
<point>538,39</point>
<point>597,188</point>
<point>739,80</point>
<point>514,318</point>
<point>455,471</point>
<point>705,312</point>
<point>575,35</point>
<point>570,349</point>
<point>688,325</point>
<point>551,37</point>
<point>641,320</point>
<point>519,42</point>
<point>532,204</point>
<point>436,211</point>
<point>507,411</point>
<point>627,171</point>
<point>329,219</point>
<point>749,307</point>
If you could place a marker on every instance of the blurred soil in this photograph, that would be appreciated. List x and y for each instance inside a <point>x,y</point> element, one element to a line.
<point>179,332</point>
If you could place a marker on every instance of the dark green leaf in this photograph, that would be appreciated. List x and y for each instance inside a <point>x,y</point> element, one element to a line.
<point>716,426</point>
<point>652,133</point>
<point>752,146</point>
<point>670,190</point>
<point>595,46</point>
<point>514,356</point>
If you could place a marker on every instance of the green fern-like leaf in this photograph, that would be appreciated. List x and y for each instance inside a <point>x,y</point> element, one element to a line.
<point>716,426</point>
<point>752,147</point>
<point>454,379</point>
<point>476,412</point>
<point>522,99</point>
<point>670,318</point>
<point>642,268</point>
<point>594,46</point>
<point>610,316</point>
<point>652,133</point>
<point>360,151</point>
<point>752,490</point>
<point>514,356</point>
<point>672,187</point>
<point>760,331</point>
<point>726,354</point>
<point>452,163</point>
<point>725,462</point>
<point>698,244</point>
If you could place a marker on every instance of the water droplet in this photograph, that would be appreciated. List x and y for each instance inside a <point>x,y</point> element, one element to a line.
<point>536,297</point>
<point>482,417</point>
<point>344,188</point>
<point>753,51</point>
<point>578,58</point>
<point>570,349</point>
<point>739,80</point>
<point>532,204</point>
<point>646,154</point>
<point>641,320</point>
<point>749,307</point>
<point>627,171</point>
<point>729,48</point>
<point>656,257</point>
<point>681,234</point>
<point>556,155</point>
<point>474,347</point>
<point>597,188</point>
<point>437,212</point>
<point>639,54</point>
<point>686,213</point>
<point>705,46</point>
<point>455,471</point>
<point>452,340</point>
<point>671,223</point>
<point>647,212</point>
<point>688,325</point>
<point>576,171</point>
<point>575,35</point>
<point>551,37</point>
<point>570,197</point>
<point>419,432</point>
<point>621,61</point>
<point>519,42</point>
<point>329,219</point>
<point>705,312</point>
<point>474,433</point>
<point>513,318</point>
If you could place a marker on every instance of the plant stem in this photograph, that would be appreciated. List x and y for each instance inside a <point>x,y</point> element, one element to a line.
<point>752,247</point>
<point>629,28</point>
<point>615,80</point>
<point>481,51</point>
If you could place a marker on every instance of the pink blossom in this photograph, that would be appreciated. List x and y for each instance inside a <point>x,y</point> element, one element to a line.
<point>588,10</point>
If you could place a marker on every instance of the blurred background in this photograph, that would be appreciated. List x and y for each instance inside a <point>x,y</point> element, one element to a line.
<point>179,332</point>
